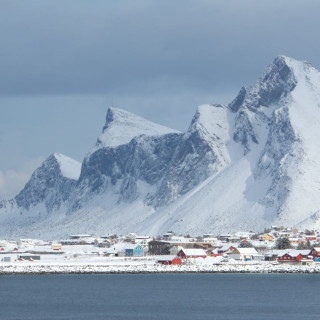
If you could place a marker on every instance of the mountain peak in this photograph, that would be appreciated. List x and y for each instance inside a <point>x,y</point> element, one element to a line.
<point>116,114</point>
<point>122,126</point>
<point>279,79</point>
<point>69,167</point>
<point>282,60</point>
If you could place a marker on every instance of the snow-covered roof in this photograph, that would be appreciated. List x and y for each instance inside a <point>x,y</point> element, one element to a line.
<point>259,244</point>
<point>227,246</point>
<point>194,252</point>
<point>294,253</point>
<point>247,251</point>
<point>166,258</point>
<point>243,234</point>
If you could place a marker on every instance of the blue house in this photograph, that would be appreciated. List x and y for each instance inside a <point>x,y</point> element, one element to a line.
<point>134,250</point>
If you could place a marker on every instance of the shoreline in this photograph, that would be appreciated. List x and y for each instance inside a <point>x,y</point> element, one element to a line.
<point>69,269</point>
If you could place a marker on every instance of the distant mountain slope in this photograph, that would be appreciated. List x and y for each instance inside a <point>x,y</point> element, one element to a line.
<point>246,166</point>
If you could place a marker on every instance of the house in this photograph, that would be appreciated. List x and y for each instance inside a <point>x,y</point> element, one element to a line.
<point>244,235</point>
<point>29,257</point>
<point>143,240</point>
<point>311,238</point>
<point>175,250</point>
<point>290,257</point>
<point>192,253</point>
<point>5,259</point>
<point>297,241</point>
<point>158,247</point>
<point>284,234</point>
<point>3,243</point>
<point>133,250</point>
<point>226,248</point>
<point>169,260</point>
<point>56,246</point>
<point>26,242</point>
<point>131,236</point>
<point>124,249</point>
<point>106,243</point>
<point>225,237</point>
<point>168,235</point>
<point>272,255</point>
<point>209,236</point>
<point>315,253</point>
<point>79,236</point>
<point>212,253</point>
<point>267,237</point>
<point>244,254</point>
<point>295,257</point>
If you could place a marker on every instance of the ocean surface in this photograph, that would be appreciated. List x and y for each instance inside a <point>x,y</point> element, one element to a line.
<point>160,296</point>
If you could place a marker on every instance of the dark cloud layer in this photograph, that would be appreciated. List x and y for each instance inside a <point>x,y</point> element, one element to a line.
<point>100,47</point>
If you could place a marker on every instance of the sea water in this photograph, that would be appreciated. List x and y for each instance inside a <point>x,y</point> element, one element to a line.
<point>160,296</point>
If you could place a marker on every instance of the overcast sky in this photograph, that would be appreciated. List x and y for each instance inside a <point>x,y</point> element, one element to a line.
<point>62,63</point>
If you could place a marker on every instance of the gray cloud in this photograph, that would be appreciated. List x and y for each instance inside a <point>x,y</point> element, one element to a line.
<point>12,181</point>
<point>101,47</point>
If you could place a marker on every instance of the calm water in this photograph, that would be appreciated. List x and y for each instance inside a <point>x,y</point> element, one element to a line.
<point>166,296</point>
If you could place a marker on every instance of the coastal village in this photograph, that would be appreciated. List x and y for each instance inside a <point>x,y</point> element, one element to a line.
<point>275,246</point>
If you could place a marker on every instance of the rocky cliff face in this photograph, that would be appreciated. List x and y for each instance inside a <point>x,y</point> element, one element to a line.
<point>245,165</point>
<point>201,152</point>
<point>130,171</point>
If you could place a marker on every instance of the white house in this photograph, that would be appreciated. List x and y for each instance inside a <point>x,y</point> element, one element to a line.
<point>175,250</point>
<point>244,254</point>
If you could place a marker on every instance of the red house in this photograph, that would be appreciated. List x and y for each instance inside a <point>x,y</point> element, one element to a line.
<point>311,238</point>
<point>296,256</point>
<point>169,260</point>
<point>291,257</point>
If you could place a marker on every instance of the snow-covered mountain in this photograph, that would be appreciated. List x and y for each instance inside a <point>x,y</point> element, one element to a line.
<point>122,126</point>
<point>246,165</point>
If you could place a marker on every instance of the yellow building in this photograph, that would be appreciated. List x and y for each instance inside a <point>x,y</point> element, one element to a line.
<point>56,246</point>
<point>267,237</point>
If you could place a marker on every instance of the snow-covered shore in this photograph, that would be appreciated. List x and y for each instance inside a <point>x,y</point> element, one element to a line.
<point>98,268</point>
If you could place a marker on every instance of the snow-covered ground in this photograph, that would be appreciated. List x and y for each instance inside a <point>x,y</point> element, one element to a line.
<point>146,266</point>
<point>85,264</point>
